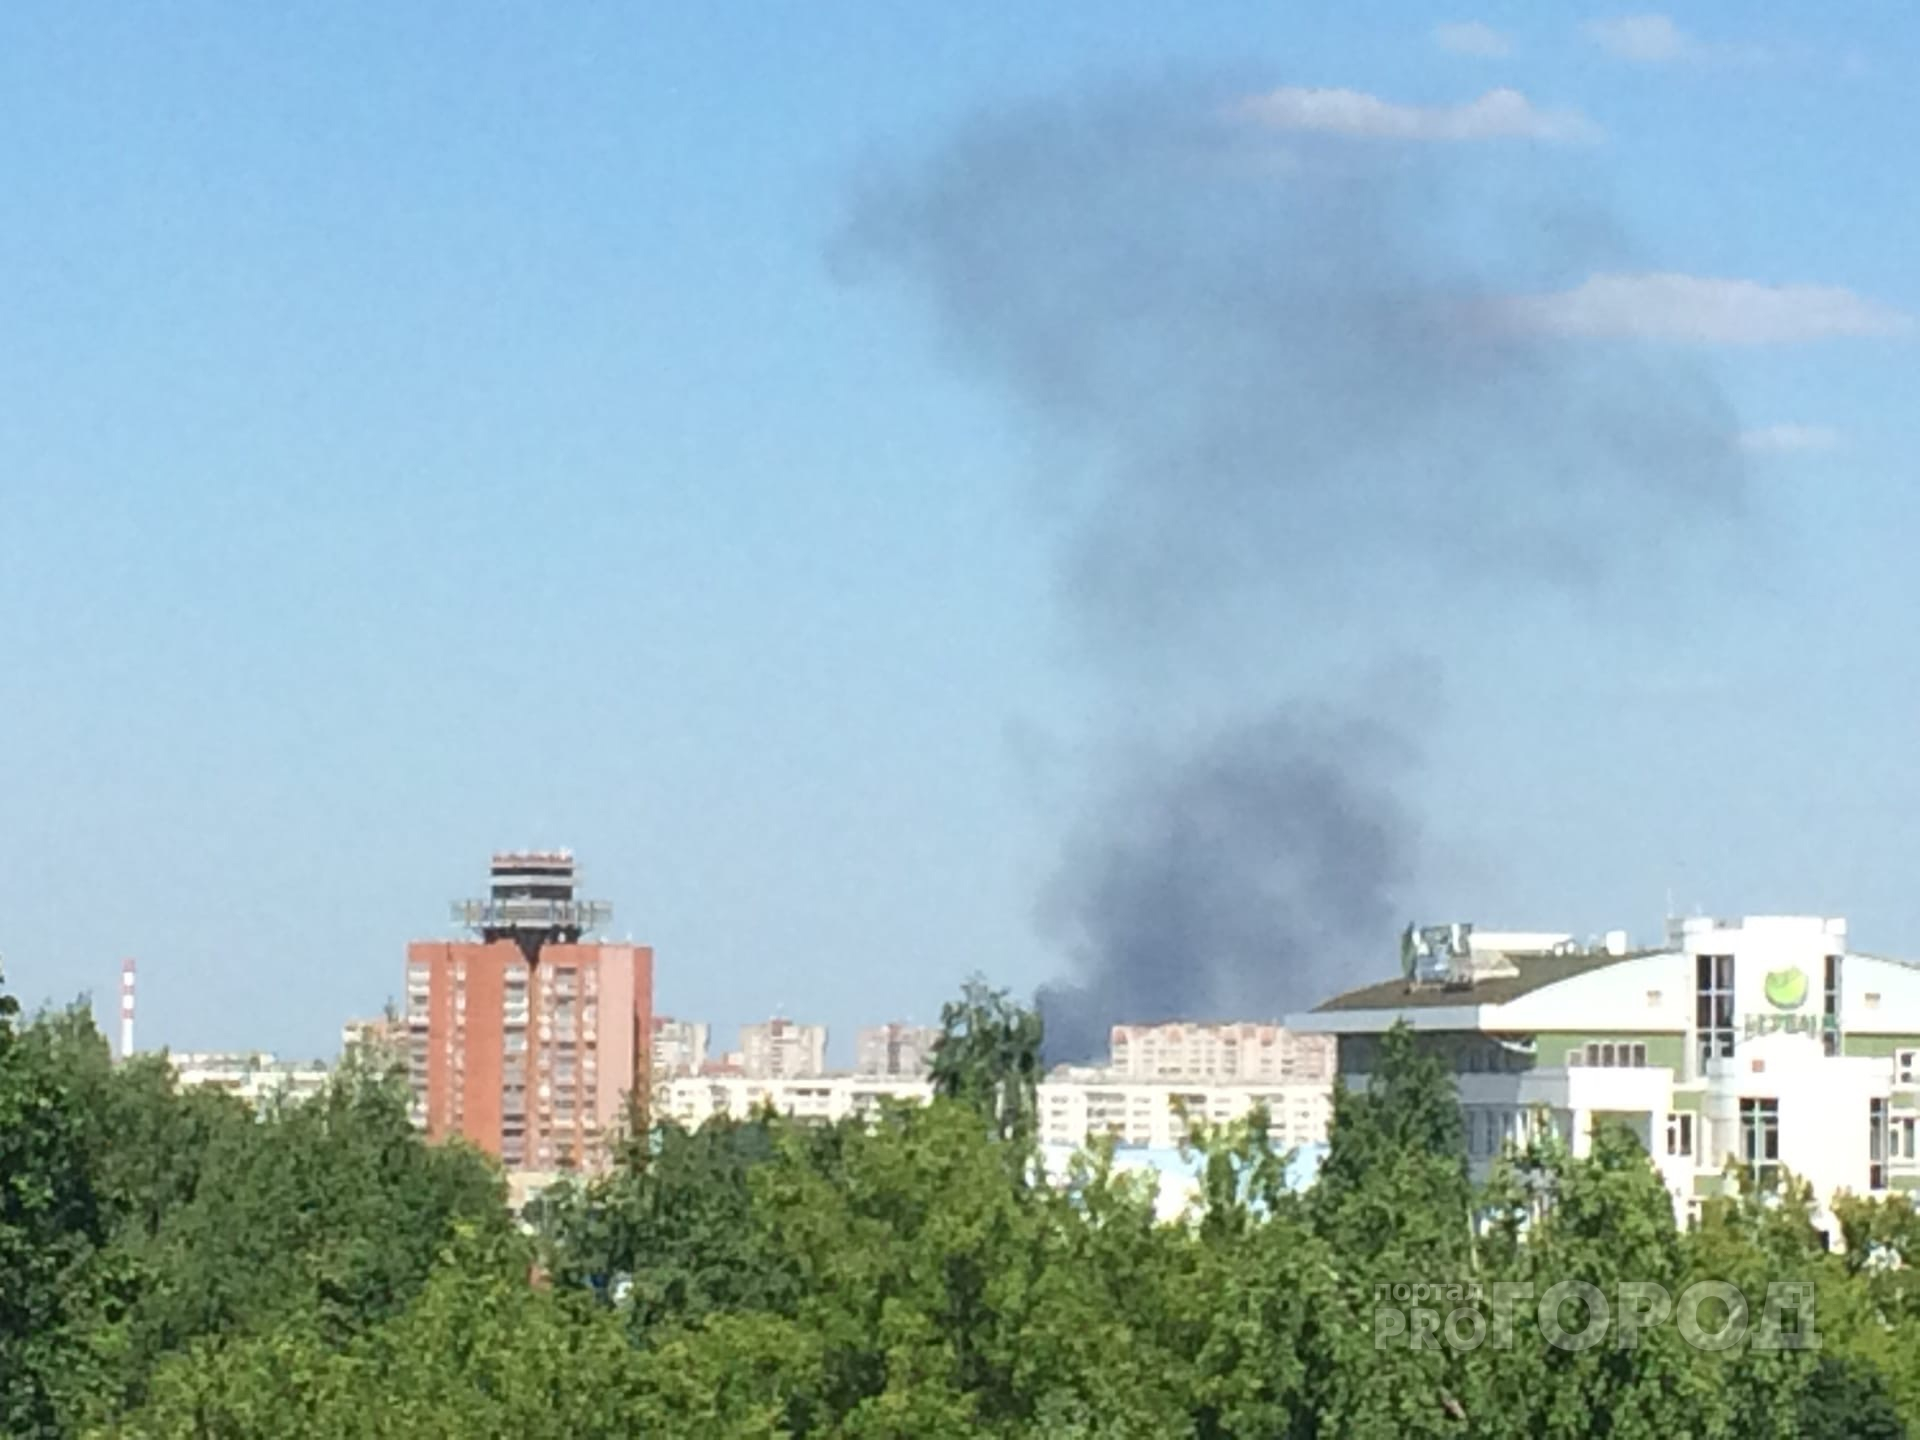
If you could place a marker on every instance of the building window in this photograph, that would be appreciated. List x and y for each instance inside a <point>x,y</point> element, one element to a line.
<point>1680,1132</point>
<point>1876,1144</point>
<point>1906,1065</point>
<point>1713,1006</point>
<point>1901,1141</point>
<point>1611,1055</point>
<point>1760,1141</point>
<point>1830,1031</point>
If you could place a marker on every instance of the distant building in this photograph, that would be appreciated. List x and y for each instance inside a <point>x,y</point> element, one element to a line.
<point>254,1076</point>
<point>779,1048</point>
<point>679,1046</point>
<point>690,1100</point>
<point>1160,1114</point>
<point>1184,1050</point>
<point>528,1039</point>
<point>895,1049</point>
<point>380,1041</point>
<point>1072,1107</point>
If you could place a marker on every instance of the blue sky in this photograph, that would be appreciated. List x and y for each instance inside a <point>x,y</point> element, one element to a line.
<point>426,430</point>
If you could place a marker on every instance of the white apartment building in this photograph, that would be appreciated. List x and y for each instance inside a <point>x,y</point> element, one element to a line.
<point>1073,1108</point>
<point>776,1049</point>
<point>895,1049</point>
<point>679,1046</point>
<point>1188,1050</point>
<point>255,1076</point>
<point>691,1100</point>
<point>1161,1115</point>
<point>1764,1043</point>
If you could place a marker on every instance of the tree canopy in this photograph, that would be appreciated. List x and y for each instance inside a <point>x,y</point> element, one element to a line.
<point>174,1265</point>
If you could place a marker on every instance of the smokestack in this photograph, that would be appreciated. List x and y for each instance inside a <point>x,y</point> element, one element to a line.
<point>126,1008</point>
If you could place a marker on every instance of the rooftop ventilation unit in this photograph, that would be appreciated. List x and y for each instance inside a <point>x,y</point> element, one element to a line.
<point>1437,954</point>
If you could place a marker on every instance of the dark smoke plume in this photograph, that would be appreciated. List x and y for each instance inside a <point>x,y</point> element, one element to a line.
<point>1275,377</point>
<point>1231,880</point>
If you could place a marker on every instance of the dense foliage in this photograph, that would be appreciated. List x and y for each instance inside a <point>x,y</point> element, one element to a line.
<point>173,1265</point>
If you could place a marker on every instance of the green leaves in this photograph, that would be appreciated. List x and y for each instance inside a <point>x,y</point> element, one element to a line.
<point>988,1057</point>
<point>137,1222</point>
<point>172,1266</point>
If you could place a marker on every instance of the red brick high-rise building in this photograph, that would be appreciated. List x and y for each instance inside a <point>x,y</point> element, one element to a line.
<point>529,1040</point>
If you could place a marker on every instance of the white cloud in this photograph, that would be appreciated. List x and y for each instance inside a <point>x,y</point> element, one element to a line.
<point>1786,439</point>
<point>1656,40</point>
<point>1496,115</point>
<point>1646,39</point>
<point>1471,37</point>
<point>1704,310</point>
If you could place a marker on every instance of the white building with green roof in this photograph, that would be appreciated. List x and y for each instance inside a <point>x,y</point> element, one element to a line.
<point>1764,1042</point>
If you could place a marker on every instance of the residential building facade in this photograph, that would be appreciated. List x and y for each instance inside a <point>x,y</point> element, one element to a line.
<point>1159,1114</point>
<point>1072,1109</point>
<point>254,1076</point>
<point>776,1049</point>
<point>379,1041</point>
<point>679,1046</point>
<point>691,1100</point>
<point>1188,1050</point>
<point>528,1039</point>
<point>895,1049</point>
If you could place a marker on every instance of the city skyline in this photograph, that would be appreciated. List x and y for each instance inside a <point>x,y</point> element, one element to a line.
<point>583,430</point>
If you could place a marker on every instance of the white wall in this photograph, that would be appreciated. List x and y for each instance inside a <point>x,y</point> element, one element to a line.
<point>1654,992</point>
<point>1134,1112</point>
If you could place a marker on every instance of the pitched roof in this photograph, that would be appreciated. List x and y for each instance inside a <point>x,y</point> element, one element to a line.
<point>1536,973</point>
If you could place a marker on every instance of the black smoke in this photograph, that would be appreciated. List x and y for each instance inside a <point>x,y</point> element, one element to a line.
<point>1275,383</point>
<point>1229,879</point>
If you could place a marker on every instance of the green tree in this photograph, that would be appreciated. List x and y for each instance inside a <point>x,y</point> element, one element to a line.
<point>988,1057</point>
<point>1394,1208</point>
<point>1758,1241</point>
<point>671,1234</point>
<point>172,1265</point>
<point>1845,1400</point>
<point>330,1212</point>
<point>54,1219</point>
<point>480,1351</point>
<point>1594,1241</point>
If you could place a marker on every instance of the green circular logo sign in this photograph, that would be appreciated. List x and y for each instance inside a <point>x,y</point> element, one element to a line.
<point>1786,989</point>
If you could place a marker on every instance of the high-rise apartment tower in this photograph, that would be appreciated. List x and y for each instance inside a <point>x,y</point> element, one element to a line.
<point>527,1040</point>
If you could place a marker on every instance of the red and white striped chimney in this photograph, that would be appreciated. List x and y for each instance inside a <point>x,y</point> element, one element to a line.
<point>126,1008</point>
